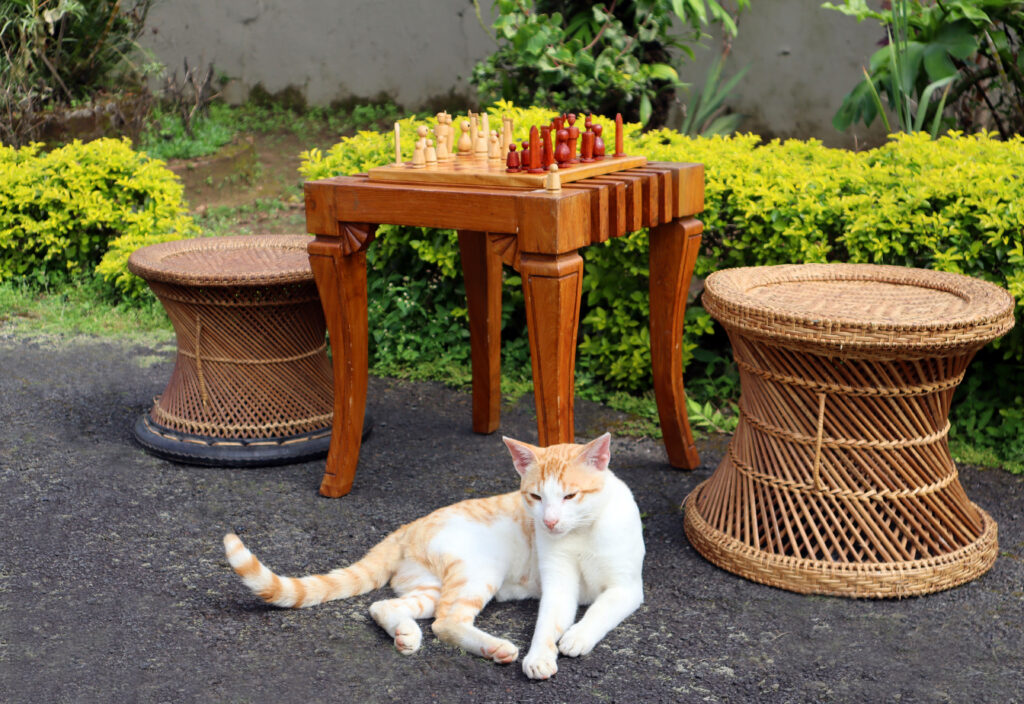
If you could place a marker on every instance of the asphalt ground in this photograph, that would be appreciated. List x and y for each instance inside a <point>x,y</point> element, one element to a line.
<point>114,586</point>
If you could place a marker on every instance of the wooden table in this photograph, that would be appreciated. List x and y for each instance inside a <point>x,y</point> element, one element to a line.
<point>539,233</point>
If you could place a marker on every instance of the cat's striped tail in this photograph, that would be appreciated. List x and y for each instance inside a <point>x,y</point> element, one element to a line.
<point>369,573</point>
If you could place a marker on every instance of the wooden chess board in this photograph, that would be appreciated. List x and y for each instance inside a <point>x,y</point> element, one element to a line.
<point>474,171</point>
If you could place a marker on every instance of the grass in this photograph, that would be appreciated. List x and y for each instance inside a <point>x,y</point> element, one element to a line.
<point>79,308</point>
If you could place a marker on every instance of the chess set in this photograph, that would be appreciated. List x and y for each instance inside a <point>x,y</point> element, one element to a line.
<point>554,154</point>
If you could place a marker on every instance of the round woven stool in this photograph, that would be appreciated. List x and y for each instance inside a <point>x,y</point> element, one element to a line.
<point>839,478</point>
<point>252,384</point>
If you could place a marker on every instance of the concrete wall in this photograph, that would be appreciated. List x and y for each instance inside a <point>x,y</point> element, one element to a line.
<point>802,59</point>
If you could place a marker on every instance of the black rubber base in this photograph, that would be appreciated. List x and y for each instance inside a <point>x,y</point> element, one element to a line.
<point>186,448</point>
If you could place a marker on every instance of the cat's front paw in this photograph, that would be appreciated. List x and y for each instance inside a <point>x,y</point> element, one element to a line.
<point>540,665</point>
<point>576,641</point>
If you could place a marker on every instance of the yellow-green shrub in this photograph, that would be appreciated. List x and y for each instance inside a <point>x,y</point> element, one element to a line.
<point>956,203</point>
<point>84,207</point>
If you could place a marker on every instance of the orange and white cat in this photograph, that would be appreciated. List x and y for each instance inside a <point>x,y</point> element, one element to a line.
<point>571,535</point>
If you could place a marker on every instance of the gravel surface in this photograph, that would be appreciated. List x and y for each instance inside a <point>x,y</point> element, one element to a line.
<point>114,586</point>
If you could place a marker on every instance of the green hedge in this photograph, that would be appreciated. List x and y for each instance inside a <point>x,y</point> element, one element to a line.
<point>956,204</point>
<point>83,208</point>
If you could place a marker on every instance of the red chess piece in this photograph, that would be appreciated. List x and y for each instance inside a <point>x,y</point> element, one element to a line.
<point>562,152</point>
<point>587,149</point>
<point>512,160</point>
<point>598,142</point>
<point>574,134</point>
<point>524,159</point>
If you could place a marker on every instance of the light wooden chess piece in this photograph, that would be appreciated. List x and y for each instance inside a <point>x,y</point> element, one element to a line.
<point>398,145</point>
<point>474,133</point>
<point>431,156</point>
<point>553,181</point>
<point>506,132</point>
<point>419,155</point>
<point>466,139</point>
<point>483,137</point>
<point>450,134</point>
<point>441,133</point>
<point>494,150</point>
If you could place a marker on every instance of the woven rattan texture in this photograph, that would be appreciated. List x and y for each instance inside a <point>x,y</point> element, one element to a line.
<point>839,479</point>
<point>865,309</point>
<point>225,261</point>
<point>252,360</point>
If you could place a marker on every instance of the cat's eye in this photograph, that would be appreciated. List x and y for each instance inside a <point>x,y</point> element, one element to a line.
<point>567,497</point>
<point>535,497</point>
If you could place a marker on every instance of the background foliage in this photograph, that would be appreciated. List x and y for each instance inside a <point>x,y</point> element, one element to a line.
<point>974,45</point>
<point>604,58</point>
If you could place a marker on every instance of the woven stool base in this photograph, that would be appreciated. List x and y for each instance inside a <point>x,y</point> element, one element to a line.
<point>206,451</point>
<point>860,579</point>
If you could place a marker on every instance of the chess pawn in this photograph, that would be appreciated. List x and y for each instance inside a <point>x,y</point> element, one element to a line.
<point>598,142</point>
<point>441,134</point>
<point>465,141</point>
<point>574,135</point>
<point>524,159</point>
<point>494,148</point>
<point>419,154</point>
<point>553,181</point>
<point>431,154</point>
<point>562,153</point>
<point>512,160</point>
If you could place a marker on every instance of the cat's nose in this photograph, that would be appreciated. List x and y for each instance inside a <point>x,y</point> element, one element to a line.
<point>550,522</point>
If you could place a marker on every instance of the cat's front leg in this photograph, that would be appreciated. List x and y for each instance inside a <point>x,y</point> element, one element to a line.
<point>608,610</point>
<point>558,602</point>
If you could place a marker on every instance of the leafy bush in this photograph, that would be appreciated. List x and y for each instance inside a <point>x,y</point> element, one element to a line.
<point>974,46</point>
<point>56,53</point>
<point>579,56</point>
<point>84,206</point>
<point>955,204</point>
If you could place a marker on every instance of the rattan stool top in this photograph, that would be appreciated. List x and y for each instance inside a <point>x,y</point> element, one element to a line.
<point>238,260</point>
<point>866,307</point>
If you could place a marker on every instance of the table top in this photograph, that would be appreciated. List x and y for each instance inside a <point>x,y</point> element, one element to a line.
<point>583,212</point>
<point>238,260</point>
<point>841,307</point>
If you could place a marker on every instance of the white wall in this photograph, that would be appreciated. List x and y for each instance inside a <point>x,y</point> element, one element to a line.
<point>803,59</point>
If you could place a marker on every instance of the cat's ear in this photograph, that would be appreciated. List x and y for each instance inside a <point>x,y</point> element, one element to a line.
<point>596,454</point>
<point>523,455</point>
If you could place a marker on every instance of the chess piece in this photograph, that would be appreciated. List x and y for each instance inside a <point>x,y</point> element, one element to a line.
<point>547,152</point>
<point>618,135</point>
<point>574,134</point>
<point>398,145</point>
<point>589,122</point>
<point>587,147</point>
<point>525,156</point>
<point>553,181</point>
<point>495,148</point>
<point>449,135</point>
<point>466,139</point>
<point>562,153</point>
<point>506,132</point>
<point>483,137</point>
<point>474,134</point>
<point>598,142</point>
<point>512,161</point>
<point>535,152</point>
<point>441,134</point>
<point>557,123</point>
<point>419,154</point>
<point>431,155</point>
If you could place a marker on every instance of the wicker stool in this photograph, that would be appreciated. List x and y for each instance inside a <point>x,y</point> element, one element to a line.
<point>839,479</point>
<point>252,384</point>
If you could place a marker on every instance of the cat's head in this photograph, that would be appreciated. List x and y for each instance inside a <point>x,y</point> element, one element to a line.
<point>561,484</point>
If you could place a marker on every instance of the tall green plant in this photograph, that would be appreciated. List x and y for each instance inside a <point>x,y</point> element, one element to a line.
<point>970,50</point>
<point>58,52</point>
<point>578,56</point>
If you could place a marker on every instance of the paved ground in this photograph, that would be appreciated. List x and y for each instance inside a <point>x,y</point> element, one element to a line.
<point>114,587</point>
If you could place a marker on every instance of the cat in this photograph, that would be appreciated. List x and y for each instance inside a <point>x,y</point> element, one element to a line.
<point>571,535</point>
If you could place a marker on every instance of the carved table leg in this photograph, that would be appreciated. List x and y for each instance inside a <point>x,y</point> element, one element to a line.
<point>481,270</point>
<point>339,267</point>
<point>673,253</point>
<point>552,286</point>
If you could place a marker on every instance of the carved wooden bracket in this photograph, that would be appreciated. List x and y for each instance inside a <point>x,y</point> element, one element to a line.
<point>353,237</point>
<point>506,247</point>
